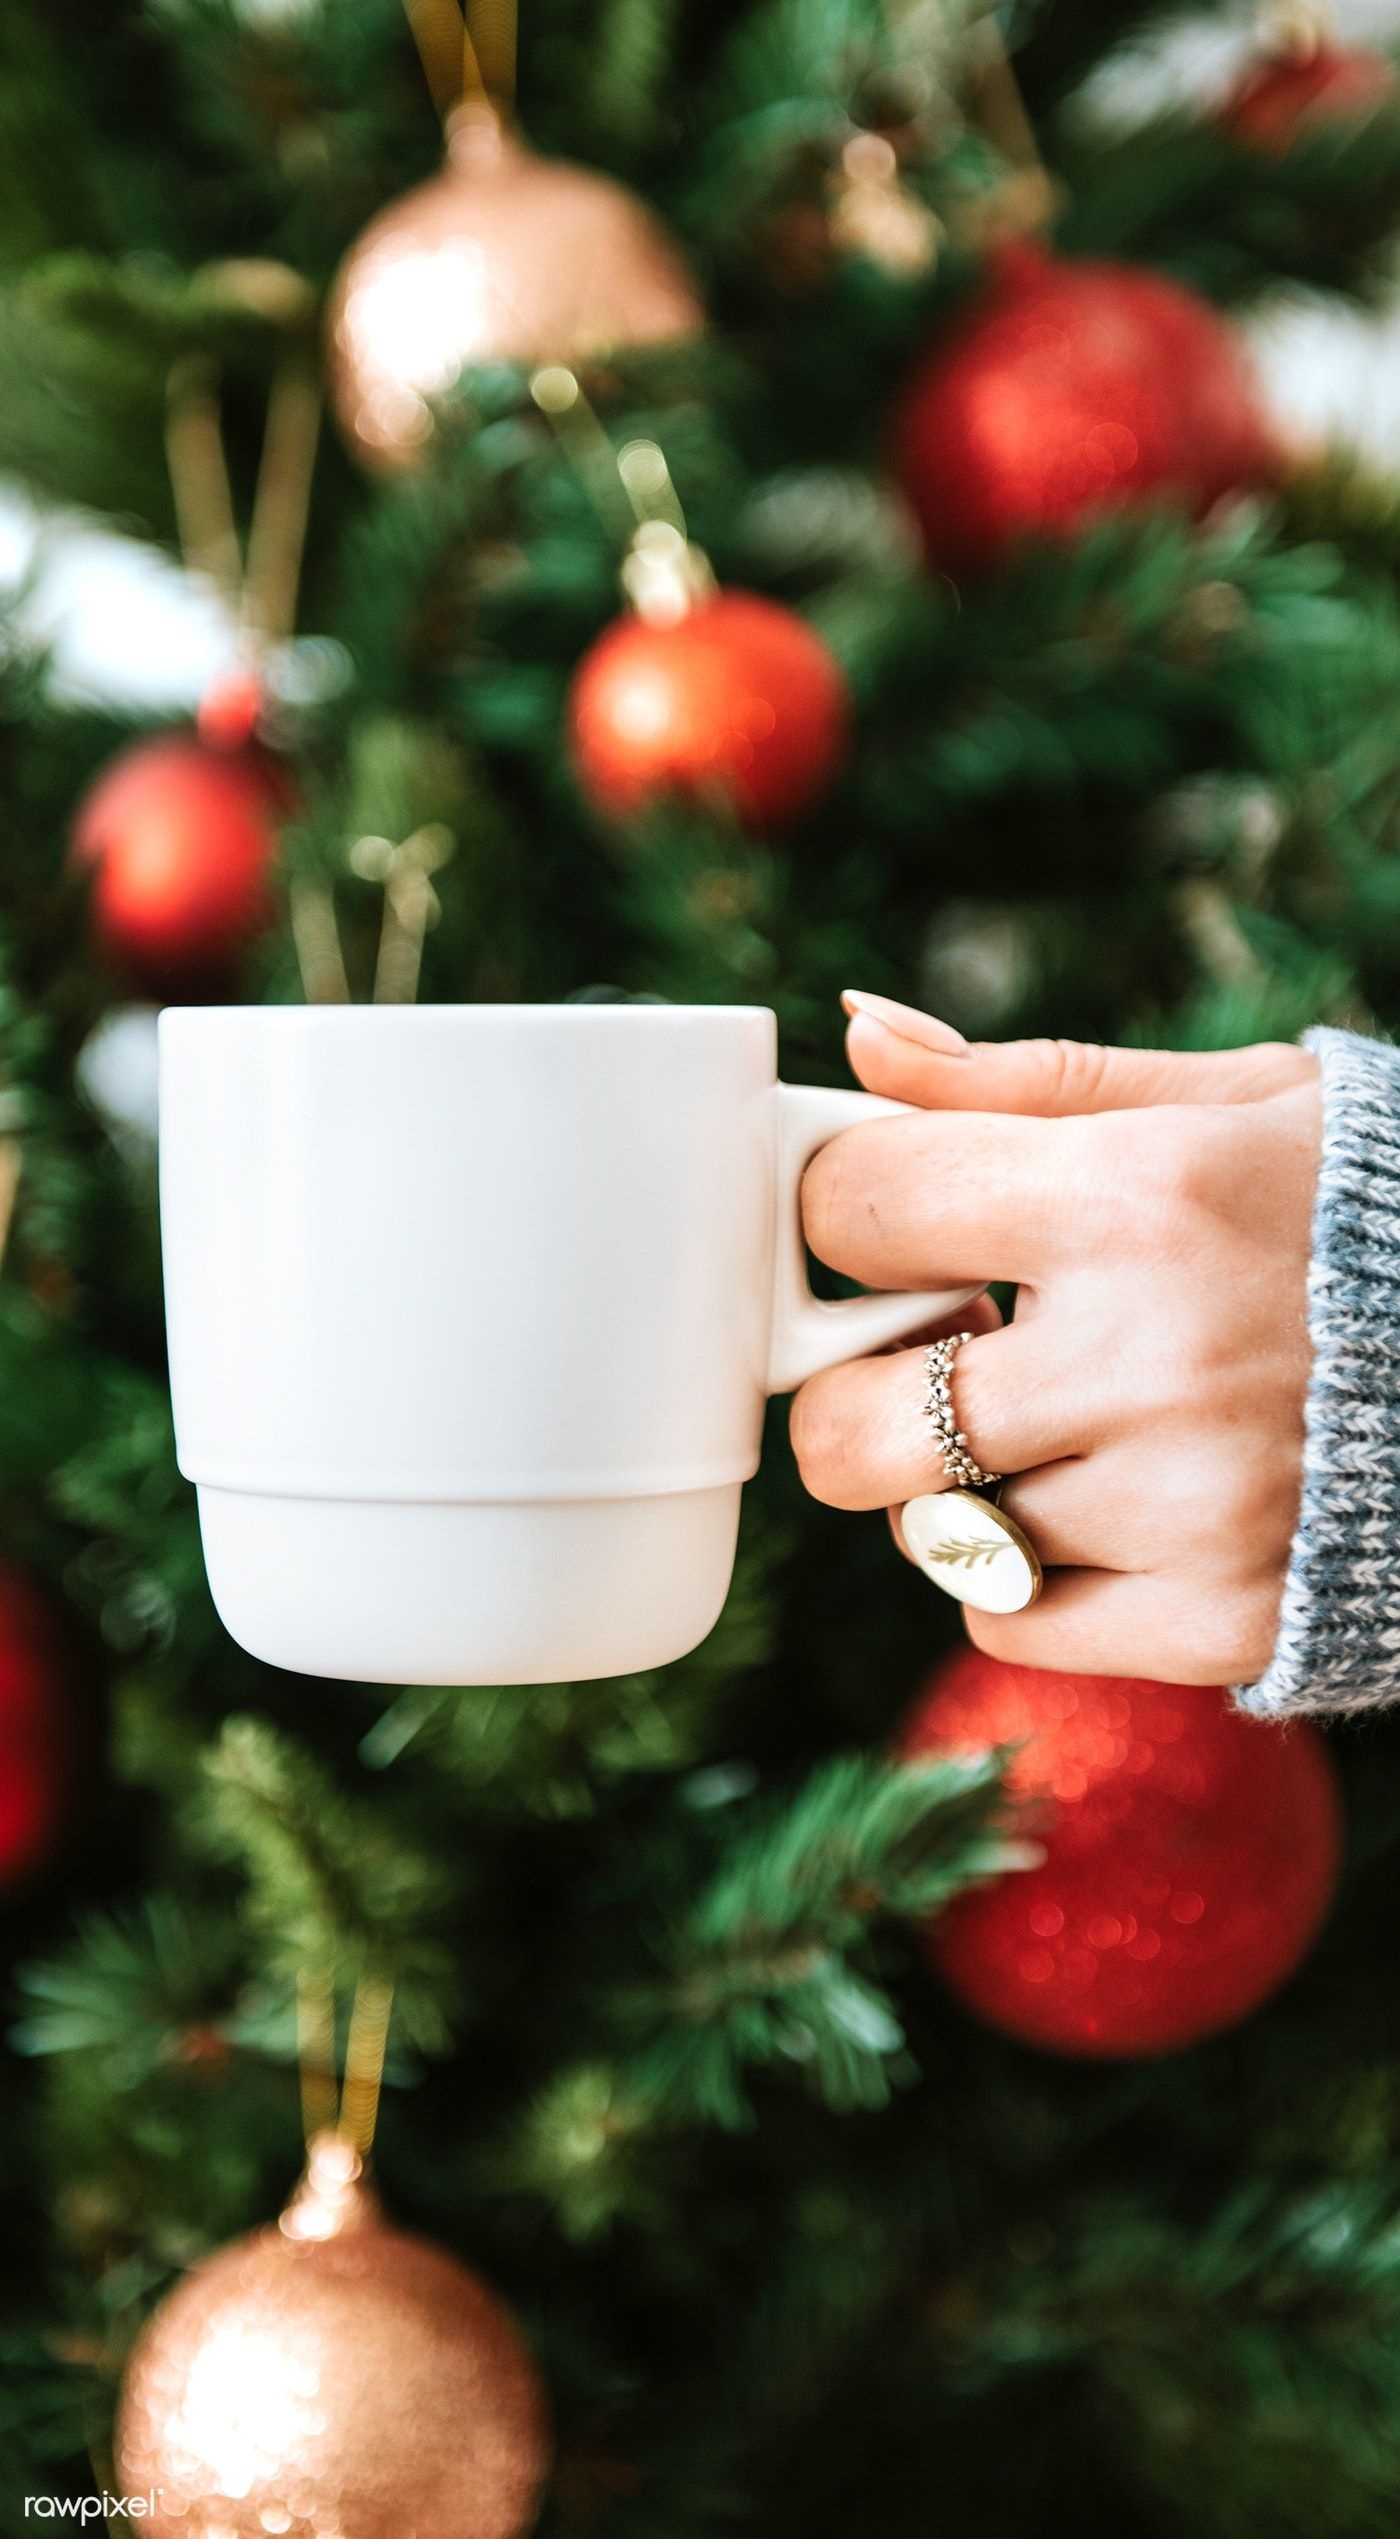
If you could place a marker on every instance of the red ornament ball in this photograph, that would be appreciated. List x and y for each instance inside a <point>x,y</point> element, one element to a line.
<point>737,704</point>
<point>1191,1854</point>
<point>36,1731</point>
<point>231,709</point>
<point>1067,390</point>
<point>1286,94</point>
<point>180,839</point>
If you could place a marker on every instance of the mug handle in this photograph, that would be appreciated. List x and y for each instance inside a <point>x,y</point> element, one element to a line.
<point>808,1333</point>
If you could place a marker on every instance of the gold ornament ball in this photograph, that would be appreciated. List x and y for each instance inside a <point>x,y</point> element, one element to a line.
<point>502,257</point>
<point>333,2378</point>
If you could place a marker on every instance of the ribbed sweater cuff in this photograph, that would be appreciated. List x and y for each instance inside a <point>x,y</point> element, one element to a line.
<point>1339,1631</point>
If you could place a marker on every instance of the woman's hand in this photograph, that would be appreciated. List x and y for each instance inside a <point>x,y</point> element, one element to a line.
<point>1146,1401</point>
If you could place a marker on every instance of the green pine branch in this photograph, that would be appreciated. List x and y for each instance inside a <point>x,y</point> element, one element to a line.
<point>1234,221</point>
<point>1249,2366</point>
<point>50,2407</point>
<point>335,1887</point>
<point>137,1989</point>
<point>766,1961</point>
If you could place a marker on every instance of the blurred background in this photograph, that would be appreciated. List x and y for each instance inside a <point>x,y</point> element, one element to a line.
<point>118,626</point>
<point>637,499</point>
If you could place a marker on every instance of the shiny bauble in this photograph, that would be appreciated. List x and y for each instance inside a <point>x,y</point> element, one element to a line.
<point>231,709</point>
<point>333,2374</point>
<point>504,256</point>
<point>1287,94</point>
<point>1066,390</point>
<point>117,1071</point>
<point>37,1731</point>
<point>1191,1854</point>
<point>737,706</point>
<point>178,841</point>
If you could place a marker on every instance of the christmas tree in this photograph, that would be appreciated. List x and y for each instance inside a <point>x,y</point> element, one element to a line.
<point>847,374</point>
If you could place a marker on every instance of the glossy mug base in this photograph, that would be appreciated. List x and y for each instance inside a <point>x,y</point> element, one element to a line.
<point>394,1592</point>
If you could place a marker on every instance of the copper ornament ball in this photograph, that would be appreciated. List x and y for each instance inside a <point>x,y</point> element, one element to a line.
<point>333,2378</point>
<point>504,256</point>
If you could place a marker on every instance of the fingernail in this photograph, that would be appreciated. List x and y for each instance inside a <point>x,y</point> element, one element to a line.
<point>924,1029</point>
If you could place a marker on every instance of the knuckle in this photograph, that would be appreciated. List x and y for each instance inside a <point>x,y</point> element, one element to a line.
<point>809,1433</point>
<point>1235,1640</point>
<point>1223,1509</point>
<point>1164,1415</point>
<point>822,1444</point>
<point>1183,1149</point>
<point>1174,1170</point>
<point>1001,1635</point>
<point>1069,1073</point>
<point>1254,1498</point>
<point>1101,1180</point>
<point>1217,1382</point>
<point>1199,1181</point>
<point>827,1199</point>
<point>1171,1154</point>
<point>1085,1065</point>
<point>1285,1064</point>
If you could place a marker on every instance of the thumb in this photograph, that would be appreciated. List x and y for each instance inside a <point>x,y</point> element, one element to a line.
<point>912,1058</point>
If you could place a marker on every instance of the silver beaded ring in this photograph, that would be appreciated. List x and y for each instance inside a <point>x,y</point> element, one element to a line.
<point>962,1468</point>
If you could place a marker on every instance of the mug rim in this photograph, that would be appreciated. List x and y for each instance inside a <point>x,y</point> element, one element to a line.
<point>397,1017</point>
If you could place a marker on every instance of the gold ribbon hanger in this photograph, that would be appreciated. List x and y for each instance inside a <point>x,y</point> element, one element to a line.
<point>260,586</point>
<point>348,2111</point>
<point>663,572</point>
<point>468,53</point>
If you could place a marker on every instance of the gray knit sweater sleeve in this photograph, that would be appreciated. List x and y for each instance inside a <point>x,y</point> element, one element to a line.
<point>1339,1631</point>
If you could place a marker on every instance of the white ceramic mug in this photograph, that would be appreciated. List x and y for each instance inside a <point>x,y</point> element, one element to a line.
<point>473,1311</point>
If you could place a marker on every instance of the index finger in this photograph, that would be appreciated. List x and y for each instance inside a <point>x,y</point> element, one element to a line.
<point>949,1195</point>
<point>915,1058</point>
